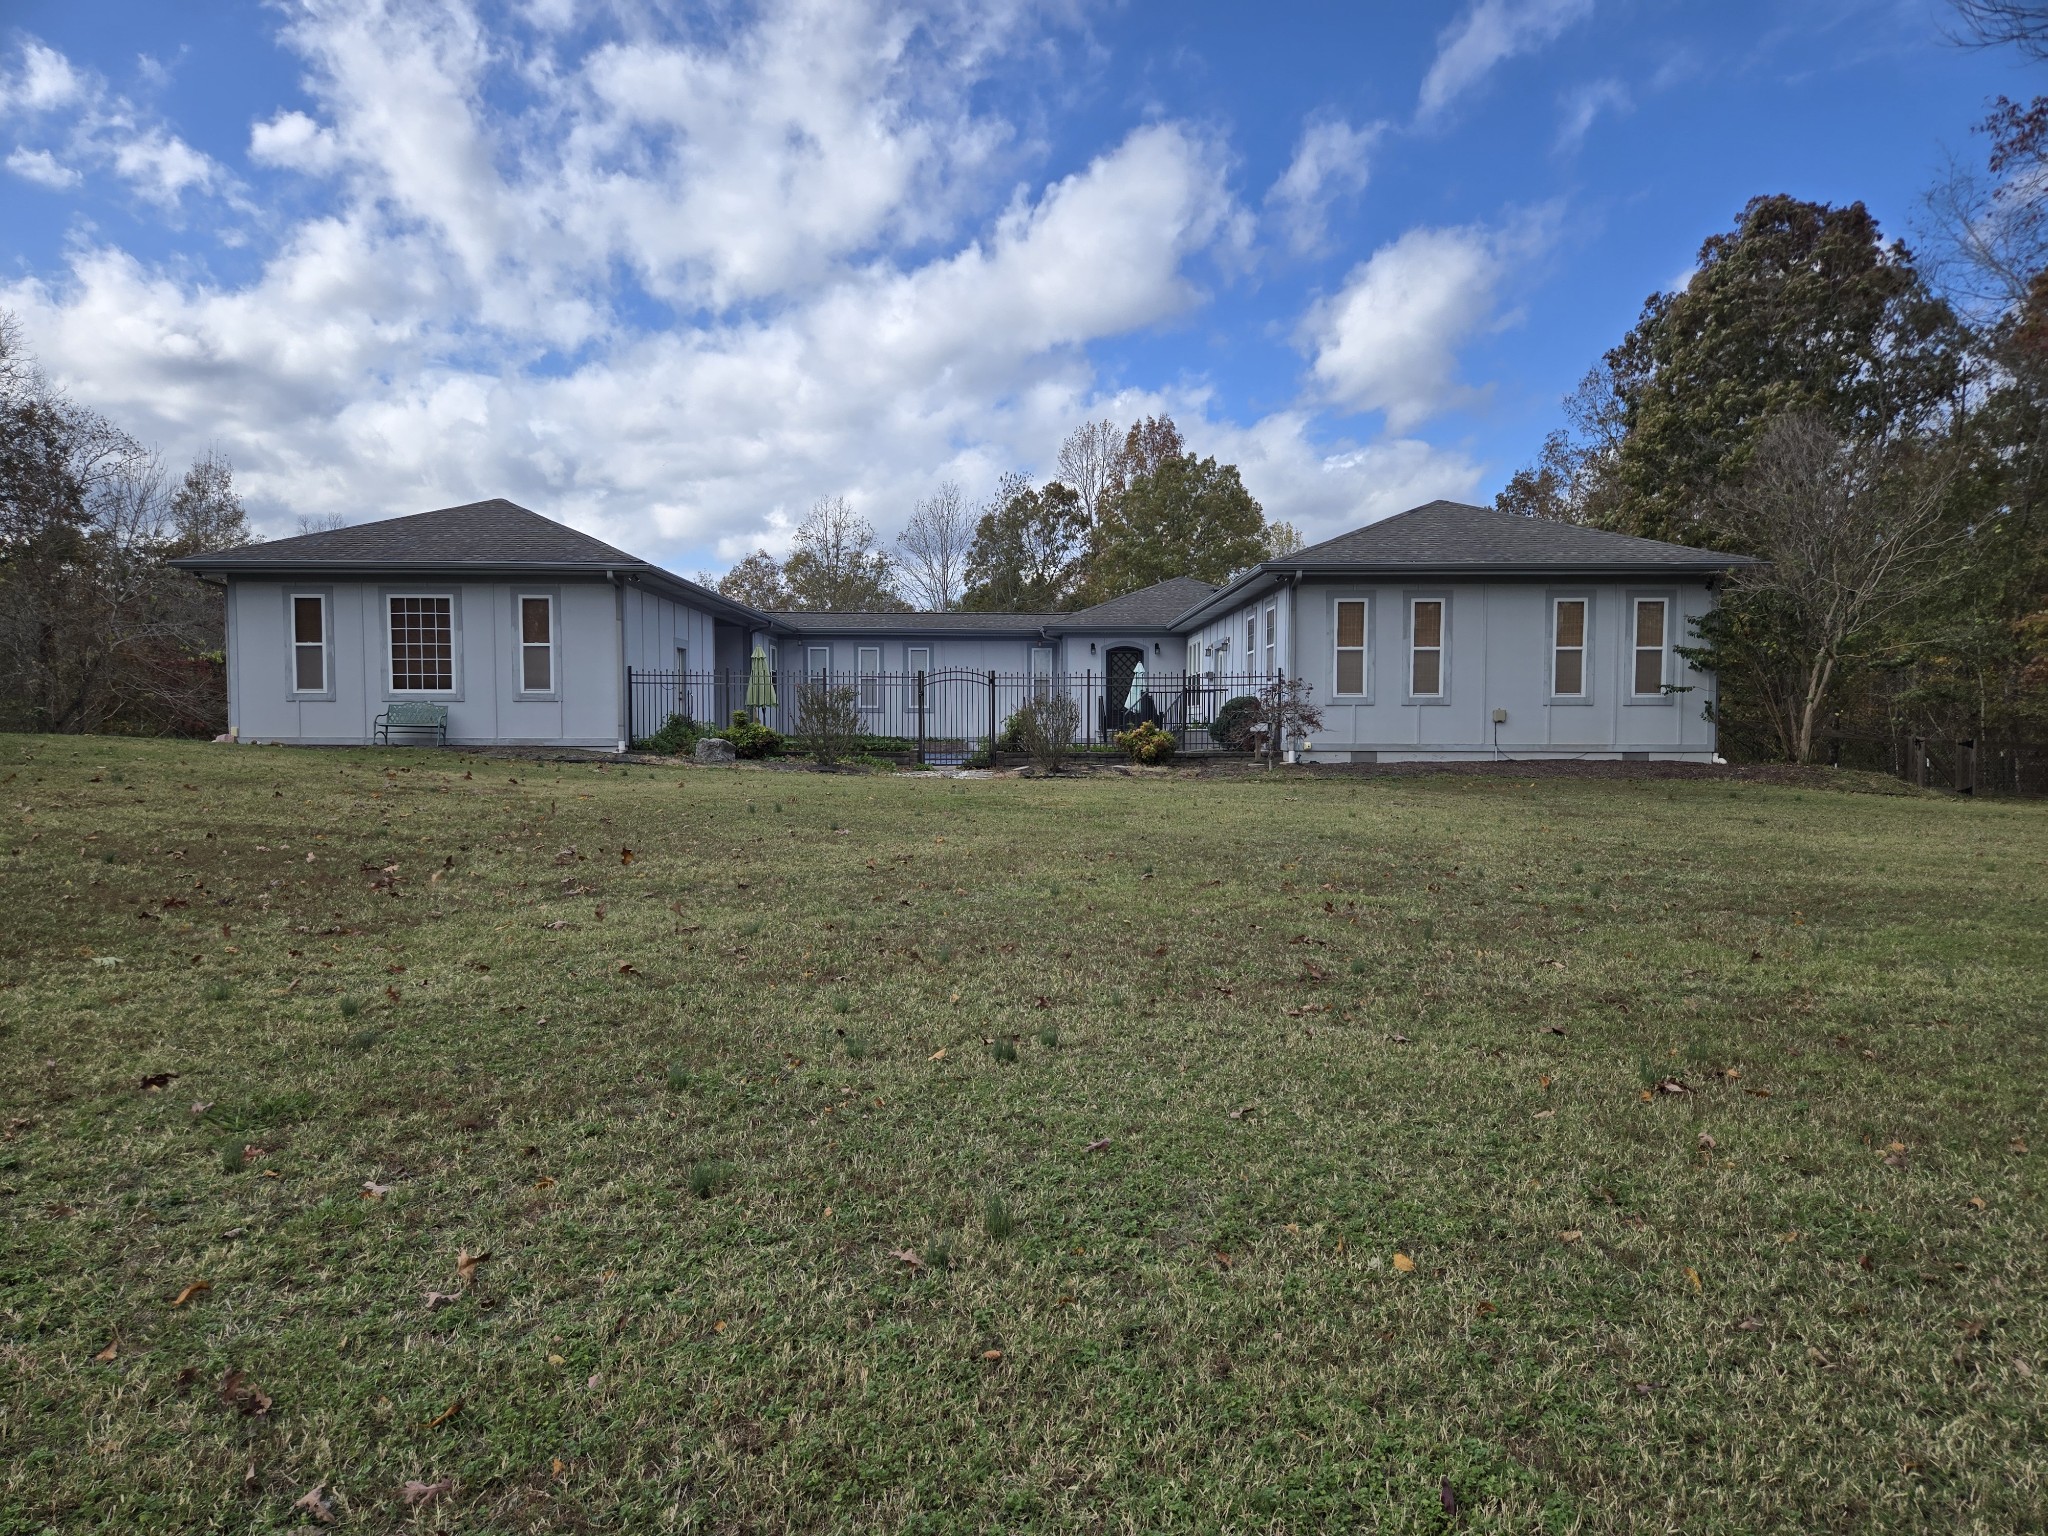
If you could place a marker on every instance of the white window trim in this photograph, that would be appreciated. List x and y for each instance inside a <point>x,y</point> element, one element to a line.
<point>325,646</point>
<point>1364,649</point>
<point>1584,647</point>
<point>817,670</point>
<point>1271,620</point>
<point>454,689</point>
<point>519,602</point>
<point>869,678</point>
<point>1442,647</point>
<point>1663,649</point>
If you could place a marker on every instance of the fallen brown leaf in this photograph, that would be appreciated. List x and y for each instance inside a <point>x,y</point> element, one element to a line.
<point>415,1493</point>
<point>238,1391</point>
<point>190,1291</point>
<point>1570,1235</point>
<point>106,1355</point>
<point>372,1190</point>
<point>445,1415</point>
<point>438,1299</point>
<point>466,1264</point>
<point>314,1504</point>
<point>1098,1144</point>
<point>908,1256</point>
<point>1404,1264</point>
<point>991,1354</point>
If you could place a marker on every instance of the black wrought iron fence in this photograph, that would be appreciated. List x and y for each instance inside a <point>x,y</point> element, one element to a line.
<point>1966,764</point>
<point>951,713</point>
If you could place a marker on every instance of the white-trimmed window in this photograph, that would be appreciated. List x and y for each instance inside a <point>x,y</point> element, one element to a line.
<point>818,663</point>
<point>422,644</point>
<point>1426,647</point>
<point>536,643</point>
<point>1272,636</point>
<point>868,664</point>
<point>1651,626</point>
<point>1568,648</point>
<point>1041,671</point>
<point>1350,677</point>
<point>1194,663</point>
<point>309,642</point>
<point>916,659</point>
<point>1251,641</point>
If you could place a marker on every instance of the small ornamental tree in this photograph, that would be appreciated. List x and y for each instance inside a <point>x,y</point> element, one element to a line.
<point>827,721</point>
<point>1045,730</point>
<point>1283,712</point>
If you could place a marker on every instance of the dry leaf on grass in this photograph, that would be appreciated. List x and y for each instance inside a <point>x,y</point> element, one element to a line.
<point>908,1256</point>
<point>238,1391</point>
<point>1098,1144</point>
<point>991,1354</point>
<point>466,1264</point>
<point>1672,1085</point>
<point>190,1291</point>
<point>107,1355</point>
<point>372,1190</point>
<point>314,1503</point>
<point>439,1299</point>
<point>1404,1264</point>
<point>416,1493</point>
<point>1571,1235</point>
<point>445,1415</point>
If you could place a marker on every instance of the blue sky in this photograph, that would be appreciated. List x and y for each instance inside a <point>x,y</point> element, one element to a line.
<point>673,273</point>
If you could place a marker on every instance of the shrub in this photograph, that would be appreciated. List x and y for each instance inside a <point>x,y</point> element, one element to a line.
<point>827,720</point>
<point>1044,730</point>
<point>750,738</point>
<point>676,738</point>
<point>1231,721</point>
<point>1147,743</point>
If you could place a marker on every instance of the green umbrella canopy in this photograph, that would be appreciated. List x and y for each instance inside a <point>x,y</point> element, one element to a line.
<point>760,681</point>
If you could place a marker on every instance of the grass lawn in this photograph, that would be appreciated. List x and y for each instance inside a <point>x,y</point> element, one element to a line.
<point>857,1153</point>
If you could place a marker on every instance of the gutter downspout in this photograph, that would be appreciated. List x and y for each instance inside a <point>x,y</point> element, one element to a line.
<point>619,612</point>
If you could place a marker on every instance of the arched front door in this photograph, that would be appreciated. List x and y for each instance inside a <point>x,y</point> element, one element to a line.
<point>1117,667</point>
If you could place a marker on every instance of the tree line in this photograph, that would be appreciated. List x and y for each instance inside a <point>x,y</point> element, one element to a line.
<point>1872,426</point>
<point>1126,507</point>
<point>97,633</point>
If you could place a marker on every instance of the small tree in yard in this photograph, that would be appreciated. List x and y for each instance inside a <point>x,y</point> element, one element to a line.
<point>1045,730</point>
<point>1283,712</point>
<point>827,721</point>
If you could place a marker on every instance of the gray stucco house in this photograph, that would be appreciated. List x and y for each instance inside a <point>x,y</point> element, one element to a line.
<point>1445,632</point>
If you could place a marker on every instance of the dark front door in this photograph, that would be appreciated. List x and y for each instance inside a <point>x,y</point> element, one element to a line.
<point>1117,667</point>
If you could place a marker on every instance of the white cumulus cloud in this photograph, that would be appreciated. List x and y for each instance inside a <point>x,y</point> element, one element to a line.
<point>1332,160</point>
<point>1487,35</point>
<point>42,168</point>
<point>1388,340</point>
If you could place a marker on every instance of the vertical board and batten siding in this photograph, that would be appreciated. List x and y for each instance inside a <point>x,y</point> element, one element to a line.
<point>1497,654</point>
<point>487,706</point>
<point>1227,631</point>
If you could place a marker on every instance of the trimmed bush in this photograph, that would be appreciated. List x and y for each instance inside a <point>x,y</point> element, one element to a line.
<point>1147,743</point>
<point>1229,727</point>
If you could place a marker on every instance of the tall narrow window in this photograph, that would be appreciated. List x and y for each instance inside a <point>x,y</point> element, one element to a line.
<point>1649,646</point>
<point>309,643</point>
<point>869,664</point>
<point>1041,671</point>
<point>1272,636</point>
<point>819,662</point>
<point>1568,649</point>
<point>1351,647</point>
<point>1194,663</point>
<point>537,644</point>
<point>916,659</point>
<point>1251,642</point>
<point>1426,648</point>
<point>422,644</point>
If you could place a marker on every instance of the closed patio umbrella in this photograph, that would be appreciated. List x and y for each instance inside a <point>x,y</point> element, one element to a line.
<point>760,681</point>
<point>1137,687</point>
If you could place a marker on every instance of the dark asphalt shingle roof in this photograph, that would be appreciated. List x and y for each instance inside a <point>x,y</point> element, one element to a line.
<point>1155,606</point>
<point>1447,534</point>
<point>494,532</point>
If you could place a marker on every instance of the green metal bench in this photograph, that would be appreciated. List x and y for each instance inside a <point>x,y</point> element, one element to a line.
<point>413,717</point>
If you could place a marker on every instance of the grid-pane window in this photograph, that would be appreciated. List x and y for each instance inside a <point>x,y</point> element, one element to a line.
<point>422,644</point>
<point>537,644</point>
<point>1351,646</point>
<point>1568,660</point>
<point>309,643</point>
<point>1426,648</point>
<point>1649,645</point>
<point>869,662</point>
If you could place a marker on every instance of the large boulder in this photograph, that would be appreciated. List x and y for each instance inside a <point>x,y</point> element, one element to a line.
<point>715,749</point>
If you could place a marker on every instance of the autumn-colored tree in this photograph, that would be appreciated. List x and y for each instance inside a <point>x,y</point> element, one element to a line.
<point>1027,548</point>
<point>755,580</point>
<point>1183,516</point>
